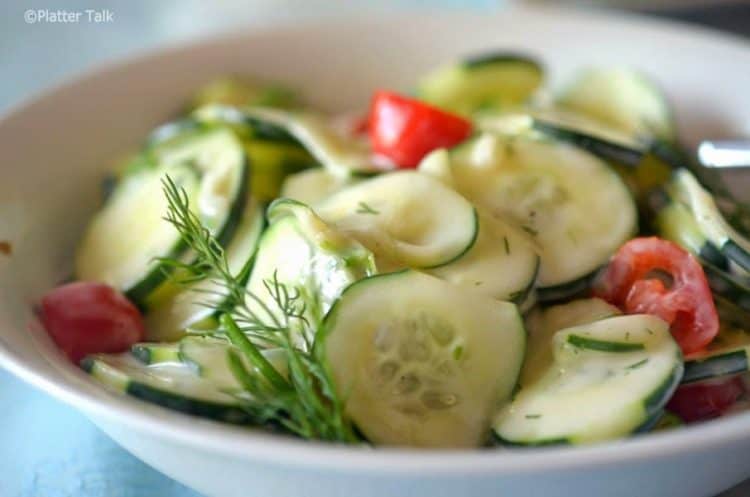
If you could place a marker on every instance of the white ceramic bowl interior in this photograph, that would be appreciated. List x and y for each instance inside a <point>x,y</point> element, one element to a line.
<point>56,148</point>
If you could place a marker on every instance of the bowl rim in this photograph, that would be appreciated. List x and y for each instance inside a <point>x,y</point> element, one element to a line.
<point>255,444</point>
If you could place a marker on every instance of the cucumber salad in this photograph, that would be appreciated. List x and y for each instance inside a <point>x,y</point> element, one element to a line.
<point>487,261</point>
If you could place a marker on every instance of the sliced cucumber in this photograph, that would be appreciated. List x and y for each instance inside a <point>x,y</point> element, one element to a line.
<point>728,286</point>
<point>220,158</point>
<point>127,236</point>
<point>685,188</point>
<point>489,80</point>
<point>502,263</point>
<point>542,324</point>
<point>728,353</point>
<point>623,99</point>
<point>307,257</point>
<point>244,124</point>
<point>208,357</point>
<point>676,223</point>
<point>194,305</point>
<point>244,92</point>
<point>608,378</point>
<point>314,185</point>
<point>577,210</point>
<point>421,362</point>
<point>174,386</point>
<point>341,155</point>
<point>406,218</point>
<point>156,353</point>
<point>599,139</point>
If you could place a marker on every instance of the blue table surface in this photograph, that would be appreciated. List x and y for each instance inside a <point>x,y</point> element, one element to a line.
<point>48,449</point>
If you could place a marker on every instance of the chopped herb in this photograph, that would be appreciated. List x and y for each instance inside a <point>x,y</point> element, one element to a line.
<point>366,209</point>
<point>507,245</point>
<point>533,416</point>
<point>649,331</point>
<point>304,403</point>
<point>477,283</point>
<point>627,336</point>
<point>637,364</point>
<point>528,229</point>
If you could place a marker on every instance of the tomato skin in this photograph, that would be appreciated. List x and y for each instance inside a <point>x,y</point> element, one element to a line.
<point>405,130</point>
<point>87,318</point>
<point>706,400</point>
<point>687,304</point>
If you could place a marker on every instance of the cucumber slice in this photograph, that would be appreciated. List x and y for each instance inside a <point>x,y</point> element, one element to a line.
<point>167,320</point>
<point>623,99</point>
<point>502,263</point>
<point>156,353</point>
<point>244,92</point>
<point>685,188</point>
<point>542,324</point>
<point>676,223</point>
<point>728,286</point>
<point>243,123</point>
<point>111,253</point>
<point>406,218</point>
<point>208,358</point>
<point>488,80</point>
<point>221,161</point>
<point>314,185</point>
<point>561,195</point>
<point>306,256</point>
<point>174,386</point>
<point>728,353</point>
<point>128,234</point>
<point>341,155</point>
<point>421,362</point>
<point>608,378</point>
<point>601,140</point>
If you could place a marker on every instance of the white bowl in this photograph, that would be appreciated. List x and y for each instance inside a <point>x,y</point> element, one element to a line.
<point>55,149</point>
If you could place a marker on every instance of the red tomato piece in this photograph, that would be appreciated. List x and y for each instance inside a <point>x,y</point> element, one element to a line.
<point>87,318</point>
<point>706,400</point>
<point>405,130</point>
<point>635,282</point>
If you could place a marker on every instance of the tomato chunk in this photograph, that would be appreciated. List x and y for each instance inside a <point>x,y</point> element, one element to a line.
<point>86,318</point>
<point>655,276</point>
<point>405,130</point>
<point>706,400</point>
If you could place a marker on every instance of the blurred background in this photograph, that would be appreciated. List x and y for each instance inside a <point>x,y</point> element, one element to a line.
<point>48,449</point>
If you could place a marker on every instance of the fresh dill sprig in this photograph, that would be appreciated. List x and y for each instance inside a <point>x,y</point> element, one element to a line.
<point>304,402</point>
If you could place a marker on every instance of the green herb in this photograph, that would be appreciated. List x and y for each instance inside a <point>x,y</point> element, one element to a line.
<point>533,416</point>
<point>306,402</point>
<point>366,209</point>
<point>601,345</point>
<point>507,245</point>
<point>528,229</point>
<point>637,364</point>
<point>649,331</point>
